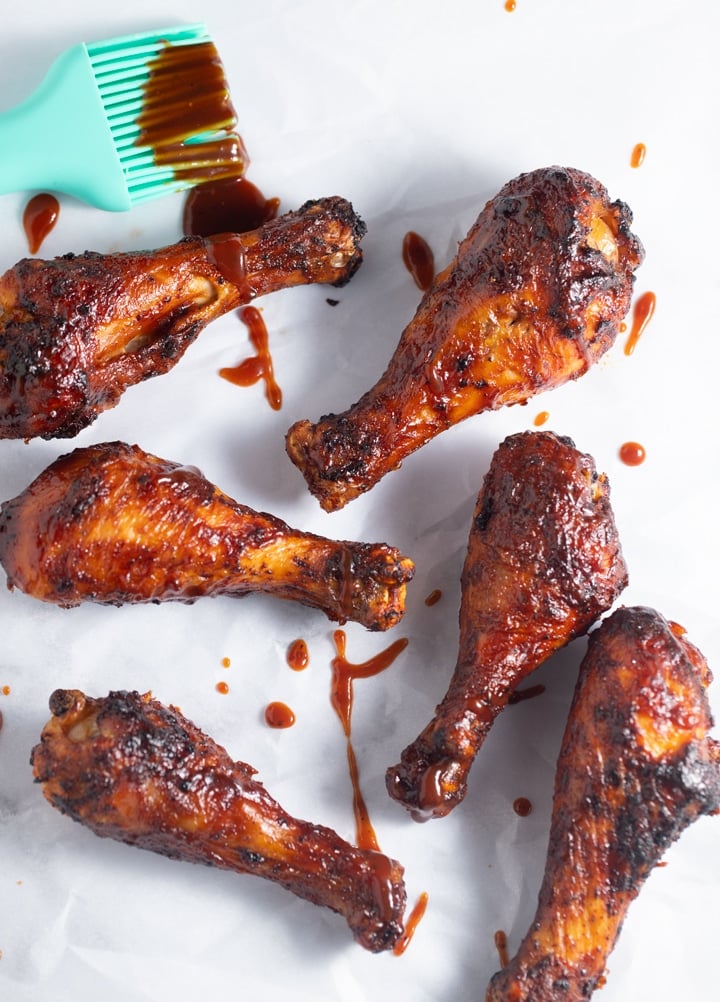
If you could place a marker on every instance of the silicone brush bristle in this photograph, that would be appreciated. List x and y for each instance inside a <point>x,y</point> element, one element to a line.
<point>168,108</point>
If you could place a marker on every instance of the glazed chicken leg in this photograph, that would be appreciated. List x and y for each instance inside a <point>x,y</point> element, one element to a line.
<point>543,563</point>
<point>535,295</point>
<point>77,331</point>
<point>636,768</point>
<point>136,771</point>
<point>112,524</point>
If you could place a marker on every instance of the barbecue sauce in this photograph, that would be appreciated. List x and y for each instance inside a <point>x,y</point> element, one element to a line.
<point>642,314</point>
<point>529,692</point>
<point>637,157</point>
<point>419,260</point>
<point>298,656</point>
<point>259,366</point>
<point>434,597</point>
<point>40,216</point>
<point>279,715</point>
<point>632,453</point>
<point>522,807</point>
<point>234,205</point>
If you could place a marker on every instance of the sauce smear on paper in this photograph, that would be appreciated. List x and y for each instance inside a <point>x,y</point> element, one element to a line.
<point>234,205</point>
<point>434,597</point>
<point>642,314</point>
<point>632,453</point>
<point>344,674</point>
<point>411,924</point>
<point>637,156</point>
<point>541,418</point>
<point>39,217</point>
<point>260,366</point>
<point>298,657</point>
<point>419,260</point>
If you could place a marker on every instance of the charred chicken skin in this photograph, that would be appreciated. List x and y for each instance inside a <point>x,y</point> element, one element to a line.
<point>636,767</point>
<point>77,331</point>
<point>543,563</point>
<point>534,297</point>
<point>133,770</point>
<point>112,524</point>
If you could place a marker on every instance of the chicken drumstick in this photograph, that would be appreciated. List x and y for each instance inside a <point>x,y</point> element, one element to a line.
<point>139,772</point>
<point>535,295</point>
<point>636,767</point>
<point>77,331</point>
<point>110,523</point>
<point>543,563</point>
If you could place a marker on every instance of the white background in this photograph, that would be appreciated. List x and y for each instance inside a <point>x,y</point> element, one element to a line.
<point>418,113</point>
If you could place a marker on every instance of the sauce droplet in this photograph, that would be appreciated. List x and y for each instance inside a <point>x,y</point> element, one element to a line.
<point>298,656</point>
<point>279,715</point>
<point>223,688</point>
<point>632,453</point>
<point>434,597</point>
<point>502,947</point>
<point>341,697</point>
<point>411,923</point>
<point>642,314</point>
<point>234,205</point>
<point>259,366</point>
<point>226,662</point>
<point>510,6</point>
<point>522,807</point>
<point>5,690</point>
<point>638,154</point>
<point>40,215</point>
<point>419,260</point>
<point>676,629</point>
<point>541,418</point>
<point>529,692</point>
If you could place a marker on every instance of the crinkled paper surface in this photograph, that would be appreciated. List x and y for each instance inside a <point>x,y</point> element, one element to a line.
<point>417,113</point>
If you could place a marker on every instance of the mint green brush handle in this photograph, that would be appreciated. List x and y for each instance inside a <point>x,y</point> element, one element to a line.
<point>59,139</point>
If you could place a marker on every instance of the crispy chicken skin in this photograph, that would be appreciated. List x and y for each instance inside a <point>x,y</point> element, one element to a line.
<point>636,767</point>
<point>133,770</point>
<point>543,563</point>
<point>111,524</point>
<point>77,331</point>
<point>533,298</point>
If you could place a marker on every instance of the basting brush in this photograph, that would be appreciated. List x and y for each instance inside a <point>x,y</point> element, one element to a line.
<point>118,122</point>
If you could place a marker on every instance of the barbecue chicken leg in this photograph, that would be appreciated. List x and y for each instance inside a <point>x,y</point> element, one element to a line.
<point>139,772</point>
<point>543,563</point>
<point>636,767</point>
<point>535,295</point>
<point>77,331</point>
<point>111,524</point>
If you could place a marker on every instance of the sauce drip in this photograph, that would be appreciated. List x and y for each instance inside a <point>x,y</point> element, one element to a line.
<point>227,252</point>
<point>186,96</point>
<point>541,418</point>
<point>279,715</point>
<point>502,947</point>
<point>642,314</point>
<point>234,205</point>
<point>298,656</point>
<point>411,923</point>
<point>223,688</point>
<point>419,260</point>
<point>638,154</point>
<point>529,692</point>
<point>522,807</point>
<point>257,367</point>
<point>341,696</point>
<point>632,453</point>
<point>434,597</point>
<point>40,215</point>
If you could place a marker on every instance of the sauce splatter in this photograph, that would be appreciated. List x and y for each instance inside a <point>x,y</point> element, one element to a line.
<point>529,692</point>
<point>259,366</point>
<point>541,418</point>
<point>279,715</point>
<point>632,453</point>
<point>411,923</point>
<point>226,662</point>
<point>419,260</point>
<point>223,688</point>
<point>5,690</point>
<point>434,597</point>
<point>233,205</point>
<point>510,6</point>
<point>637,156</point>
<point>341,696</point>
<point>522,807</point>
<point>40,216</point>
<point>642,314</point>
<point>298,656</point>
<point>502,947</point>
